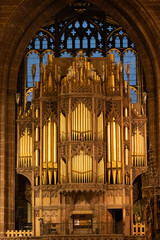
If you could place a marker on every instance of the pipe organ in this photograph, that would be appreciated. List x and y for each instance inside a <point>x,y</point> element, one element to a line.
<point>80,133</point>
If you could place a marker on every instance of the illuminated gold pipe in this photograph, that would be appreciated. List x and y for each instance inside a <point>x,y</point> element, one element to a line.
<point>143,150</point>
<point>79,121</point>
<point>114,175</point>
<point>119,176</point>
<point>74,123</point>
<point>133,145</point>
<point>109,142</point>
<point>50,174</point>
<point>114,140</point>
<point>126,133</point>
<point>81,111</point>
<point>126,155</point>
<point>37,157</point>
<point>31,149</point>
<point>84,120</point>
<point>76,129</point>
<point>21,151</point>
<point>45,177</point>
<point>137,147</point>
<point>55,143</point>
<point>49,140</point>
<point>28,150</point>
<point>89,124</point>
<point>102,126</point>
<point>52,142</point>
<point>109,176</point>
<point>44,143</point>
<point>126,112</point>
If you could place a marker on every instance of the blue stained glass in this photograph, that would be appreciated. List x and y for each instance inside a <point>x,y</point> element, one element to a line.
<point>77,25</point>
<point>62,38</point>
<point>37,43</point>
<point>125,42</point>
<point>110,28</point>
<point>84,24</point>
<point>121,32</point>
<point>88,32</point>
<point>130,58</point>
<point>44,43</point>
<point>97,54</point>
<point>117,42</point>
<point>69,42</point>
<point>91,25</point>
<point>32,58</point>
<point>77,42</point>
<point>66,55</point>
<point>51,29</point>
<point>92,42</point>
<point>73,32</point>
<point>70,26</point>
<point>99,36</point>
<point>85,42</point>
<point>41,34</point>
<point>133,95</point>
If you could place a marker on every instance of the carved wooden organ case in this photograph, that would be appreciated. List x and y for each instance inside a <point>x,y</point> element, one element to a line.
<point>81,128</point>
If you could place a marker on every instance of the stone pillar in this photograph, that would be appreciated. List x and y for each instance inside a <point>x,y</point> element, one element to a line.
<point>7,161</point>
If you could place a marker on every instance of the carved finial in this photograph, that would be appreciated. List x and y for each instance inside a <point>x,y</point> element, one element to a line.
<point>144,97</point>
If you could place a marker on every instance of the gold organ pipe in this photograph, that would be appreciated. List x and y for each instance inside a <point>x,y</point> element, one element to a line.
<point>114,175</point>
<point>28,150</point>
<point>44,143</point>
<point>133,145</point>
<point>102,125</point>
<point>143,150</point>
<point>117,142</point>
<point>135,150</point>
<point>37,157</point>
<point>49,140</point>
<point>119,176</point>
<point>21,150</point>
<point>79,121</point>
<point>126,155</point>
<point>55,143</point>
<point>114,140</point>
<point>50,176</point>
<point>73,125</point>
<point>52,141</point>
<point>89,123</point>
<point>126,133</point>
<point>109,142</point>
<point>81,110</point>
<point>45,176</point>
<point>126,112</point>
<point>76,122</point>
<point>137,147</point>
<point>31,149</point>
<point>109,176</point>
<point>84,120</point>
